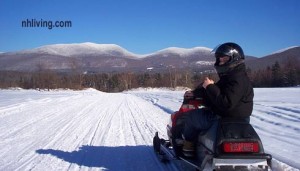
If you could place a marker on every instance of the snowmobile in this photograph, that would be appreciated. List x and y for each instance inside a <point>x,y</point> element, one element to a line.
<point>226,145</point>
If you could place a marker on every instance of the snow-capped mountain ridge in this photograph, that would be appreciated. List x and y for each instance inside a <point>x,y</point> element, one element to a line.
<point>183,52</point>
<point>87,48</point>
<point>114,58</point>
<point>101,57</point>
<point>282,50</point>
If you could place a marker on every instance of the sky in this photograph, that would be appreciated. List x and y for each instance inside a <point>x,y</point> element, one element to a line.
<point>261,27</point>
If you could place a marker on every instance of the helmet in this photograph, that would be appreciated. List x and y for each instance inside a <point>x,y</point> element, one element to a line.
<point>232,50</point>
<point>188,95</point>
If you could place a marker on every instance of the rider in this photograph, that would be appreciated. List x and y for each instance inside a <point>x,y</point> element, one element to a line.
<point>229,99</point>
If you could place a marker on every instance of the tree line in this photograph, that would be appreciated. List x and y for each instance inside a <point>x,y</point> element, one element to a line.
<point>273,76</point>
<point>276,75</point>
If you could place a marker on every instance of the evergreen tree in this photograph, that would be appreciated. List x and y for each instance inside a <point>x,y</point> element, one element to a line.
<point>277,76</point>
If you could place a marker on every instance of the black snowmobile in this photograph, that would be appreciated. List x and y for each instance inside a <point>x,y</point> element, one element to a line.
<point>226,145</point>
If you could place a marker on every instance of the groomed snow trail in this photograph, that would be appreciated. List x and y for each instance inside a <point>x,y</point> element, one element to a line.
<point>92,130</point>
<point>86,130</point>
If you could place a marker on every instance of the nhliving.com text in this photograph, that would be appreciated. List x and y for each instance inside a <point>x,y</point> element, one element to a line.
<point>46,23</point>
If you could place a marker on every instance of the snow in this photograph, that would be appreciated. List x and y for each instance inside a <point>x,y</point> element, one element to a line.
<point>82,49</point>
<point>89,48</point>
<point>282,50</point>
<point>205,62</point>
<point>92,130</point>
<point>183,51</point>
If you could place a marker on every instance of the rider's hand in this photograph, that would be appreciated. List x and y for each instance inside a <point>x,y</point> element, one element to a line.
<point>207,82</point>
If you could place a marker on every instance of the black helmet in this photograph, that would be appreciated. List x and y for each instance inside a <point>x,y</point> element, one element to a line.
<point>232,50</point>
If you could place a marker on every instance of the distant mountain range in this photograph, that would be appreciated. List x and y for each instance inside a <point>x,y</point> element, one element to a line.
<point>93,57</point>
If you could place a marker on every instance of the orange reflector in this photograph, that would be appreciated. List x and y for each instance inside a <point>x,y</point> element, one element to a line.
<point>240,147</point>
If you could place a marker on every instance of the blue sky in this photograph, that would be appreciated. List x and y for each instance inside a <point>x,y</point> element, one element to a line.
<point>145,26</point>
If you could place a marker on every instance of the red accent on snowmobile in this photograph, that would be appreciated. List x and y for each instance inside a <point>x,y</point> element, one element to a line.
<point>241,147</point>
<point>191,105</point>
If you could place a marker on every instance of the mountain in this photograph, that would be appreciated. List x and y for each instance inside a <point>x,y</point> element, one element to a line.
<point>113,58</point>
<point>81,49</point>
<point>103,58</point>
<point>282,57</point>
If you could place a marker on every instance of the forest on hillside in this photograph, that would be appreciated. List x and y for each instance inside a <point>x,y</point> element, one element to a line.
<point>276,75</point>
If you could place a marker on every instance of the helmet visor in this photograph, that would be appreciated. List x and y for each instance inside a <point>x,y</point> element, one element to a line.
<point>219,52</point>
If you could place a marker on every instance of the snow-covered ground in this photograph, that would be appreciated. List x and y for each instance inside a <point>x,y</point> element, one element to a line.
<point>92,130</point>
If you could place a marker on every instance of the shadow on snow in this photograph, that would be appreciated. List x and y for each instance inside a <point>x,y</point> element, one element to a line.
<point>111,158</point>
